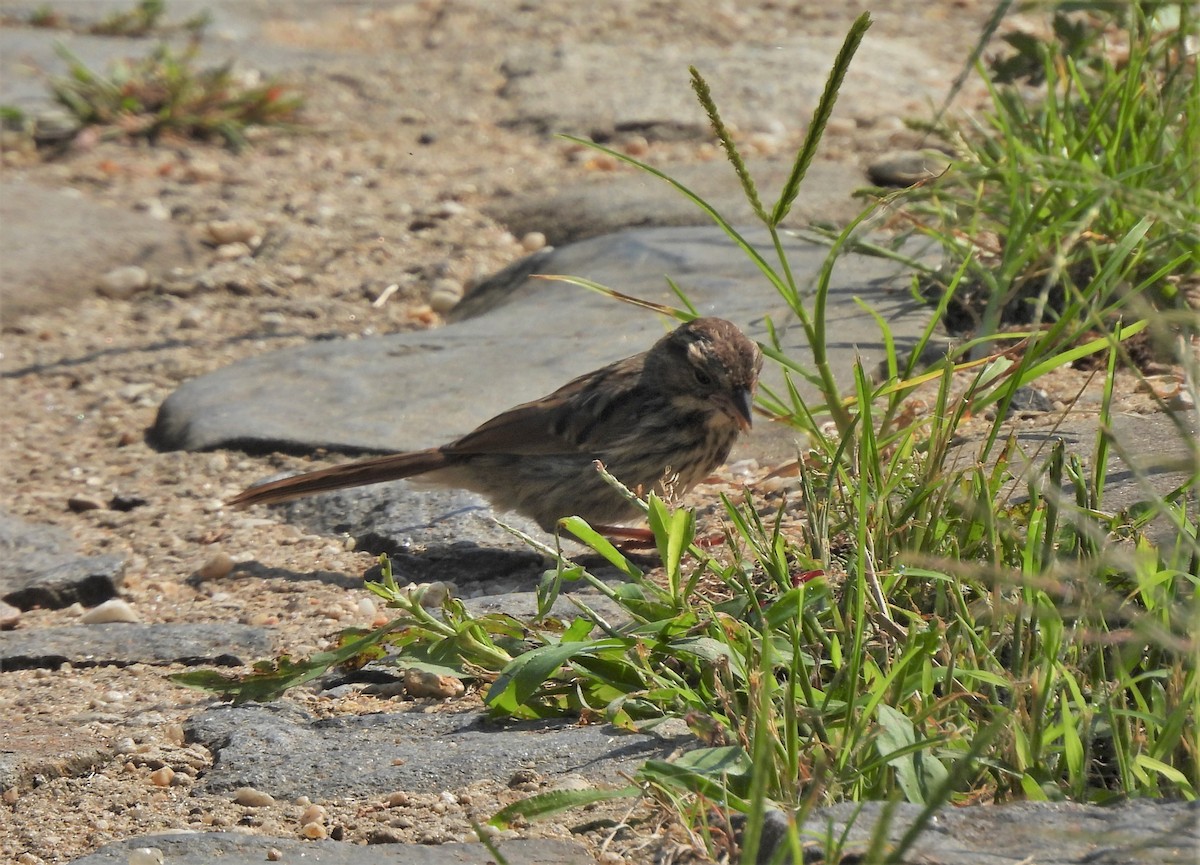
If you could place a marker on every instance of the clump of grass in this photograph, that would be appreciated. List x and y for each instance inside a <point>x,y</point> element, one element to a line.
<point>165,94</point>
<point>1091,138</point>
<point>138,21</point>
<point>141,19</point>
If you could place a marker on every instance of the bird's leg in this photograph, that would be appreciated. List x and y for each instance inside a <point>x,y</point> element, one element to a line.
<point>626,536</point>
<point>642,538</point>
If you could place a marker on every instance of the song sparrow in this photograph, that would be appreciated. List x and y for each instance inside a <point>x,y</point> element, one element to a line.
<point>666,416</point>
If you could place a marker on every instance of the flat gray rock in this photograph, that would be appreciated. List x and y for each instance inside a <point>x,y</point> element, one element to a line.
<point>29,55</point>
<point>40,567</point>
<point>1151,455</point>
<point>1137,832</point>
<point>280,750</point>
<point>233,848</point>
<point>601,205</point>
<point>34,750</point>
<point>55,244</point>
<point>523,605</point>
<point>88,580</point>
<point>583,88</point>
<point>429,533</point>
<point>413,390</point>
<point>123,644</point>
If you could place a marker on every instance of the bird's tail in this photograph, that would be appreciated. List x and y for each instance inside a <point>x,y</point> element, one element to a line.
<point>356,474</point>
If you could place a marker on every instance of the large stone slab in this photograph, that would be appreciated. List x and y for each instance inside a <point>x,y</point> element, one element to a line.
<point>413,390</point>
<point>429,533</point>
<point>232,848</point>
<point>55,244</point>
<point>123,644</point>
<point>40,567</point>
<point>583,88</point>
<point>34,749</point>
<point>1149,457</point>
<point>1048,833</point>
<point>601,205</point>
<point>282,751</point>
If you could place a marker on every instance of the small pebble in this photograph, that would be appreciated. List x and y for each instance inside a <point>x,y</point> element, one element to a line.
<point>222,231</point>
<point>155,209</point>
<point>419,683</point>
<point>533,241</point>
<point>10,616</point>
<point>162,777</point>
<point>396,800</point>
<point>11,795</point>
<point>385,690</point>
<point>122,283</point>
<point>80,503</point>
<point>274,855</point>
<point>231,251</point>
<point>314,831</point>
<point>383,836</point>
<point>636,145</point>
<point>192,318</point>
<point>219,566</point>
<point>573,783</point>
<point>313,814</point>
<point>446,209</point>
<point>113,610</point>
<point>201,169</point>
<point>252,798</point>
<point>907,167</point>
<point>131,392</point>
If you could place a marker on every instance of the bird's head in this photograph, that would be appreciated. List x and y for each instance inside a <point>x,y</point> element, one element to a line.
<point>708,365</point>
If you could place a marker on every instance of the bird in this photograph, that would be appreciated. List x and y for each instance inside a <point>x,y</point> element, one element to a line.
<point>660,420</point>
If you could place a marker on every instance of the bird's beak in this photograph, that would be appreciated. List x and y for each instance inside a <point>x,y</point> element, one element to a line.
<point>739,405</point>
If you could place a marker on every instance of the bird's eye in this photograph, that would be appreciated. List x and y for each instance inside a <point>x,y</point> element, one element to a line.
<point>703,379</point>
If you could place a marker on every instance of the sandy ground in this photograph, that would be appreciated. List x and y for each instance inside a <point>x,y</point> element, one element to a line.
<point>82,383</point>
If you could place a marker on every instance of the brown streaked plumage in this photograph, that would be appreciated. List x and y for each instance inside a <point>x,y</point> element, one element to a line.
<point>667,415</point>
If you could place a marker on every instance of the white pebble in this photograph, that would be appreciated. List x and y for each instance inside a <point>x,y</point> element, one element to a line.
<point>366,609</point>
<point>114,610</point>
<point>447,209</point>
<point>202,169</point>
<point>123,282</point>
<point>445,294</point>
<point>146,856</point>
<point>231,251</point>
<point>155,209</point>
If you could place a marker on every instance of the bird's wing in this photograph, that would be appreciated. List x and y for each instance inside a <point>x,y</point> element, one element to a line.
<point>583,410</point>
